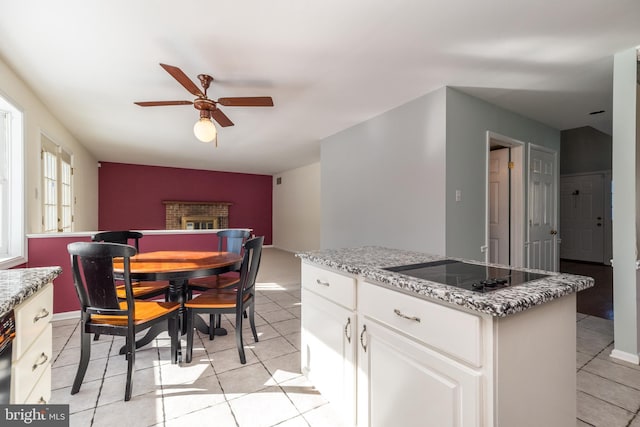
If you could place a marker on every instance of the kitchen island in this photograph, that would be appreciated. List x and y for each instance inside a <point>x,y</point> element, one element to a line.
<point>390,349</point>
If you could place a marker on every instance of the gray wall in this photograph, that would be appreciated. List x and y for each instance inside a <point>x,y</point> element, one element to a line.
<point>391,180</point>
<point>383,180</point>
<point>468,120</point>
<point>585,149</point>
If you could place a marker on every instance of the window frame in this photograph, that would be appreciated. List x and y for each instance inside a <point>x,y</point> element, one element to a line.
<point>12,174</point>
<point>63,159</point>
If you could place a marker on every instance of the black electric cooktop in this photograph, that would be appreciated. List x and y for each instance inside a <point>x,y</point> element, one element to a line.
<point>473,277</point>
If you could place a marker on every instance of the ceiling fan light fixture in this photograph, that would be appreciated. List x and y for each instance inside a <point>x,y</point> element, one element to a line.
<point>205,130</point>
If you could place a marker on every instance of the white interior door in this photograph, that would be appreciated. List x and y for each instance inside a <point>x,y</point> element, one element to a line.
<point>499,206</point>
<point>542,242</point>
<point>582,220</point>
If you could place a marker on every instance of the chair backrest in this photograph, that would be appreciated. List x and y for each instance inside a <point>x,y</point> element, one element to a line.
<point>249,268</point>
<point>121,237</point>
<point>92,266</point>
<point>234,240</point>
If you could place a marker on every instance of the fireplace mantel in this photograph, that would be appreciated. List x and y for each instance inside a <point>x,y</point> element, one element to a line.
<point>176,210</point>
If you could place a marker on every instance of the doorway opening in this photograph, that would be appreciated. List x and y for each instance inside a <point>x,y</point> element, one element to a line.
<point>504,234</point>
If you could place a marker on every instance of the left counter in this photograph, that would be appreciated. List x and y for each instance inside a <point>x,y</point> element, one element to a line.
<point>26,295</point>
<point>18,284</point>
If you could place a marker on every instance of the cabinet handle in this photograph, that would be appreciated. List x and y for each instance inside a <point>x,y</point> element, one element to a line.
<point>43,313</point>
<point>320,282</point>
<point>42,359</point>
<point>404,316</point>
<point>41,401</point>
<point>348,327</point>
<point>364,346</point>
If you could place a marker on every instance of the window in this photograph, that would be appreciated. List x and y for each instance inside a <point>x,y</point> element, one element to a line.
<point>56,188</point>
<point>12,232</point>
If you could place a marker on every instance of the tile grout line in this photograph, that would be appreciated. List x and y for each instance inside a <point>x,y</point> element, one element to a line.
<point>634,414</point>
<point>106,365</point>
<point>226,400</point>
<point>162,388</point>
<point>277,383</point>
<point>65,343</point>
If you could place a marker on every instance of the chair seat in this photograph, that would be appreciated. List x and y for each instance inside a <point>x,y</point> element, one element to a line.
<point>143,289</point>
<point>214,282</point>
<point>215,298</point>
<point>144,311</point>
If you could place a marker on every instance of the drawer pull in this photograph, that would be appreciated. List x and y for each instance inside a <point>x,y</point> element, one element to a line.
<point>43,313</point>
<point>404,316</point>
<point>42,359</point>
<point>364,346</point>
<point>347,330</point>
<point>320,282</point>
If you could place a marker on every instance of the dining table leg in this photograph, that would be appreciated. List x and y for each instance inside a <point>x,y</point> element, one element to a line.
<point>202,326</point>
<point>177,292</point>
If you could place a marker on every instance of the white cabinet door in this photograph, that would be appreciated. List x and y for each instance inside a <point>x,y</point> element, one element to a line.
<point>328,352</point>
<point>403,383</point>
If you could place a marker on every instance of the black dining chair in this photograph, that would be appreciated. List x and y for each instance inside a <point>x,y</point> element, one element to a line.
<point>103,312</point>
<point>230,300</point>
<point>143,290</point>
<point>230,240</point>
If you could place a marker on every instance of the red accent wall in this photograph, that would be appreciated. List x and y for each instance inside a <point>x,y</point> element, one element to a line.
<point>131,196</point>
<point>50,251</point>
<point>47,252</point>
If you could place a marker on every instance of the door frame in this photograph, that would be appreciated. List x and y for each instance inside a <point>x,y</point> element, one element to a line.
<point>556,237</point>
<point>517,242</point>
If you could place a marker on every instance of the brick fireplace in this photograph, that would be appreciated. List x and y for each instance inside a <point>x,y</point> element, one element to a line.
<point>196,215</point>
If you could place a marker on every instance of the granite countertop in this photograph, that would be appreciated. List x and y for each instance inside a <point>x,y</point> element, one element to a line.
<point>368,262</point>
<point>16,285</point>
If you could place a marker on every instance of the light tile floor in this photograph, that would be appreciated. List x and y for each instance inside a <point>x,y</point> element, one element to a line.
<point>215,389</point>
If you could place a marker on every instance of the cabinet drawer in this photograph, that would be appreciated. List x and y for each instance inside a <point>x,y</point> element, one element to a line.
<point>41,392</point>
<point>32,317</point>
<point>454,332</point>
<point>337,287</point>
<point>26,372</point>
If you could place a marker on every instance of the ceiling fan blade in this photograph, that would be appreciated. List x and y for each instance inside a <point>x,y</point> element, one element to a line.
<point>160,103</point>
<point>221,118</point>
<point>182,78</point>
<point>248,101</point>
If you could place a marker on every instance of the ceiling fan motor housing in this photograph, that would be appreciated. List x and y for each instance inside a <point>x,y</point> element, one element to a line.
<point>204,104</point>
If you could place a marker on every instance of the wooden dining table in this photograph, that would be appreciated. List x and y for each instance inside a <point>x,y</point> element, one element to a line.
<point>177,267</point>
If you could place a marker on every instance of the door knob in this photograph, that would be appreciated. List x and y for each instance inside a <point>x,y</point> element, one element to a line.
<point>553,232</point>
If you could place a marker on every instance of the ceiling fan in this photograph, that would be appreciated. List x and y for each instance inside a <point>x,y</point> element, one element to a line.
<point>204,128</point>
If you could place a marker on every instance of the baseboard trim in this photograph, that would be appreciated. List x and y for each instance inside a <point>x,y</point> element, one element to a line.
<point>627,357</point>
<point>75,315</point>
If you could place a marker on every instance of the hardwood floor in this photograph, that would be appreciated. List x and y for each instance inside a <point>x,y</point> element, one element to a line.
<point>596,301</point>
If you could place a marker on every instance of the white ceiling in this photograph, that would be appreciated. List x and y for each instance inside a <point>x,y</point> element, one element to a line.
<point>328,64</point>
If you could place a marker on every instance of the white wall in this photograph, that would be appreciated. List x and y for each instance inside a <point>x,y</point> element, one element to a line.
<point>383,180</point>
<point>625,175</point>
<point>296,209</point>
<point>39,119</point>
